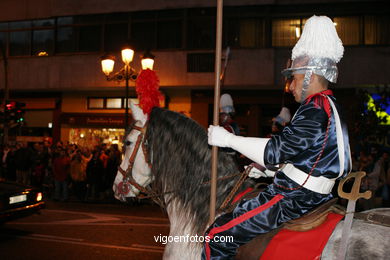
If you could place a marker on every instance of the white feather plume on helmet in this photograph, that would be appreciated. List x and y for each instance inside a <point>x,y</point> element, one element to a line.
<point>318,50</point>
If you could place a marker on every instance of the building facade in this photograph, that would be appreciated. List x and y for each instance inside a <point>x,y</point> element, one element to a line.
<point>52,49</point>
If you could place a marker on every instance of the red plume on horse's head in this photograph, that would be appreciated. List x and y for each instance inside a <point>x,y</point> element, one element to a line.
<point>147,86</point>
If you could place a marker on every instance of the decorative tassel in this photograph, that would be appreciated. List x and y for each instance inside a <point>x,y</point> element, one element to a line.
<point>147,86</point>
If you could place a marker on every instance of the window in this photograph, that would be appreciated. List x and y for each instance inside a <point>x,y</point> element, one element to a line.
<point>107,102</point>
<point>200,62</point>
<point>348,29</point>
<point>246,33</point>
<point>115,36</point>
<point>90,38</point>
<point>286,32</point>
<point>79,33</point>
<point>117,18</point>
<point>43,23</point>
<point>43,41</point>
<point>169,34</point>
<point>3,36</point>
<point>66,40</point>
<point>3,26</point>
<point>143,35</point>
<point>95,103</point>
<point>114,103</point>
<point>201,33</point>
<point>376,30</point>
<point>20,43</point>
<point>201,28</point>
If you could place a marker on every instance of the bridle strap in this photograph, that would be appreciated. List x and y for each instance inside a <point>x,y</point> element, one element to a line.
<point>149,192</point>
<point>127,174</point>
<point>132,157</point>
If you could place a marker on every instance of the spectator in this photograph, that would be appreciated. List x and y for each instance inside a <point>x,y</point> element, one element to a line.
<point>374,170</point>
<point>61,167</point>
<point>95,171</point>
<point>10,164</point>
<point>23,163</point>
<point>40,161</point>
<point>3,156</point>
<point>78,175</point>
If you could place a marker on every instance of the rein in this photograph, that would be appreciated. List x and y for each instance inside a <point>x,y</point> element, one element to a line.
<point>149,192</point>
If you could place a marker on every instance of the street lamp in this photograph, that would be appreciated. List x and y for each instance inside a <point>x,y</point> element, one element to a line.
<point>127,72</point>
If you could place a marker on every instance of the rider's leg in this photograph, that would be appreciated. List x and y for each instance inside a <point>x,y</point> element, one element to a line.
<point>249,219</point>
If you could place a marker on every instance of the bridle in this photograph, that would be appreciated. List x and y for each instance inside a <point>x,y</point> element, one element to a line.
<point>124,186</point>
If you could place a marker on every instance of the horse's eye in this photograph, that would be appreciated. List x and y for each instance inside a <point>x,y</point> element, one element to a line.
<point>128,143</point>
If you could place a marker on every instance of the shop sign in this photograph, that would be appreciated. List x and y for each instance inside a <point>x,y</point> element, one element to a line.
<point>104,121</point>
<point>92,120</point>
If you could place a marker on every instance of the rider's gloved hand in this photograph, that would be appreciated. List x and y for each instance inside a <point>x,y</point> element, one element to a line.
<point>258,171</point>
<point>219,136</point>
<point>251,147</point>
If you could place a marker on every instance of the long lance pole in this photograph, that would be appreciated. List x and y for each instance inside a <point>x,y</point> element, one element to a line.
<point>217,92</point>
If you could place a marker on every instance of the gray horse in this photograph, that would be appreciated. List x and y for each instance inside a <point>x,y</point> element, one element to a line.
<point>172,155</point>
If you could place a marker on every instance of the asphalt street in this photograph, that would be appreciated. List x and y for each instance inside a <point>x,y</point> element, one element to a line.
<point>72,230</point>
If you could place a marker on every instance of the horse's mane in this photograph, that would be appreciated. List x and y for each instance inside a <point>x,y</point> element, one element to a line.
<point>181,163</point>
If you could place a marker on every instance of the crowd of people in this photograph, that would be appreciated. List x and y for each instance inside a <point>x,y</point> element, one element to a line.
<point>88,174</point>
<point>63,171</point>
<point>375,161</point>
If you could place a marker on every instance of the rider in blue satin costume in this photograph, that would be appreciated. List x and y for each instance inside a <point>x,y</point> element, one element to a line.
<point>308,147</point>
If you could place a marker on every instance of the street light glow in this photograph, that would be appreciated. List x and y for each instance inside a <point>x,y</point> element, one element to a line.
<point>147,63</point>
<point>107,66</point>
<point>127,56</point>
<point>127,73</point>
<point>147,60</point>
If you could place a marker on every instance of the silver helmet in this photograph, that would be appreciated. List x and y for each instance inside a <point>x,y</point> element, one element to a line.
<point>318,51</point>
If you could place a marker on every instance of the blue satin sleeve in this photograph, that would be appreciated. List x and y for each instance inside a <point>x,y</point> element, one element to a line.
<point>305,131</point>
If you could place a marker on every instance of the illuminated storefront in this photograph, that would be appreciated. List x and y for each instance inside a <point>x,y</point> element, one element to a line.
<point>91,137</point>
<point>89,130</point>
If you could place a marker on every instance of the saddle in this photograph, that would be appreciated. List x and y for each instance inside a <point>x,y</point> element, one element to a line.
<point>255,248</point>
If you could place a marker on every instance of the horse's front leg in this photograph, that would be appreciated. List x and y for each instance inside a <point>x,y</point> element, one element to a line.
<point>182,243</point>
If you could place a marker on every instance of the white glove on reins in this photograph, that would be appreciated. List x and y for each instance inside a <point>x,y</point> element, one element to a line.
<point>251,147</point>
<point>257,173</point>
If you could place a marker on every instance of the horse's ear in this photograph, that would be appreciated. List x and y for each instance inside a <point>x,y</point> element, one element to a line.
<point>138,115</point>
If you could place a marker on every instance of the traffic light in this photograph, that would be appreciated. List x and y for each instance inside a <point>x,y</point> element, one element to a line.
<point>14,112</point>
<point>19,112</point>
<point>9,112</point>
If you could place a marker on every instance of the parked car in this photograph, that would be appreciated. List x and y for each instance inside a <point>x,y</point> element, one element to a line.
<point>17,200</point>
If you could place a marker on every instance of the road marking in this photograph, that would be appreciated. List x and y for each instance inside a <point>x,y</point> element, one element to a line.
<point>105,215</point>
<point>97,219</point>
<point>140,248</point>
<point>56,237</point>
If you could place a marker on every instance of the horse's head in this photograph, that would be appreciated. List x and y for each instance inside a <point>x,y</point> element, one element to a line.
<point>134,172</point>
